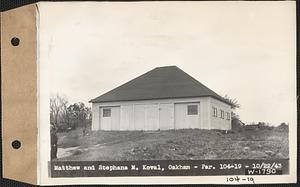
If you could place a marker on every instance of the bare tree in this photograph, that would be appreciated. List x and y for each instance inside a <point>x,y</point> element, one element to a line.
<point>58,105</point>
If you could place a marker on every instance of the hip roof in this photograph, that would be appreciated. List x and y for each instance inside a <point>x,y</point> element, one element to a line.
<point>159,83</point>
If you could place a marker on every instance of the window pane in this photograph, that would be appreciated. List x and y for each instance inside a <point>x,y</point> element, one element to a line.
<point>215,112</point>
<point>228,115</point>
<point>106,112</point>
<point>192,110</point>
<point>222,114</point>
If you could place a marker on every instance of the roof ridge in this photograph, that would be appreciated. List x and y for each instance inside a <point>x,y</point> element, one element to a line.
<point>167,67</point>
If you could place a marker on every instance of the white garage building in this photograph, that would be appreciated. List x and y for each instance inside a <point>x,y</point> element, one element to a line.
<point>163,98</point>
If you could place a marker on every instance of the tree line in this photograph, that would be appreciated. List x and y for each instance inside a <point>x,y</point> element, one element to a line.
<point>67,116</point>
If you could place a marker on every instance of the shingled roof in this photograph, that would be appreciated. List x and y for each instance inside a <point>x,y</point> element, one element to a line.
<point>159,83</point>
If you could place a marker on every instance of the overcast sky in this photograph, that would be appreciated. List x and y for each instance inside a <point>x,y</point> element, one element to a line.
<point>243,49</point>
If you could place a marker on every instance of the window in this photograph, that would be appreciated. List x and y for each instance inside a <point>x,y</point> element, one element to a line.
<point>106,112</point>
<point>222,114</point>
<point>228,115</point>
<point>192,109</point>
<point>215,110</point>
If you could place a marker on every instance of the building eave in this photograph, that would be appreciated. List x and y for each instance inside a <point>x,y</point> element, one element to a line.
<point>122,100</point>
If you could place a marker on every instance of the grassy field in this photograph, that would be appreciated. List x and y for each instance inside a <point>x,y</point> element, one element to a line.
<point>173,145</point>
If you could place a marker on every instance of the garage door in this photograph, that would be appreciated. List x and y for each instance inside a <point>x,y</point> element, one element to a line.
<point>146,117</point>
<point>152,120</point>
<point>127,118</point>
<point>166,117</point>
<point>139,117</point>
<point>110,118</point>
<point>187,115</point>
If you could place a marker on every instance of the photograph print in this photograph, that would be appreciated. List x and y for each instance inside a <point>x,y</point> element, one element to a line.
<point>169,80</point>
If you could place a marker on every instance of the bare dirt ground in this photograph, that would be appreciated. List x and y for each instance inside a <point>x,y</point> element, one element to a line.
<point>173,145</point>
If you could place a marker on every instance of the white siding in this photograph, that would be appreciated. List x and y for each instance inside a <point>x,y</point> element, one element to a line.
<point>139,117</point>
<point>183,120</point>
<point>146,117</point>
<point>161,114</point>
<point>218,122</point>
<point>105,122</point>
<point>152,117</point>
<point>205,113</point>
<point>112,122</point>
<point>166,116</point>
<point>127,117</point>
<point>180,116</point>
<point>95,117</point>
<point>115,118</point>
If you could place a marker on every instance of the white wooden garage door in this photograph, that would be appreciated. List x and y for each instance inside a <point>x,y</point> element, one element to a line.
<point>166,116</point>
<point>110,118</point>
<point>187,115</point>
<point>127,117</point>
<point>146,117</point>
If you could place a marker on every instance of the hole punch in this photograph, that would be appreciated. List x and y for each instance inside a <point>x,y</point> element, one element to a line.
<point>16,144</point>
<point>15,41</point>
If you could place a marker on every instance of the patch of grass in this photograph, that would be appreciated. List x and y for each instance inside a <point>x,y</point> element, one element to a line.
<point>186,144</point>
